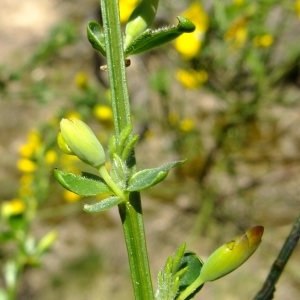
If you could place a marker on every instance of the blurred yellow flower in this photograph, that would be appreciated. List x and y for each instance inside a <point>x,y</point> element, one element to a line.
<point>126,8</point>
<point>103,112</point>
<point>33,143</point>
<point>186,125</point>
<point>237,33</point>
<point>297,8</point>
<point>81,80</point>
<point>51,157</point>
<point>26,165</point>
<point>12,207</point>
<point>263,41</point>
<point>238,2</point>
<point>74,115</point>
<point>189,44</point>
<point>191,79</point>
<point>26,182</point>
<point>26,179</point>
<point>70,197</point>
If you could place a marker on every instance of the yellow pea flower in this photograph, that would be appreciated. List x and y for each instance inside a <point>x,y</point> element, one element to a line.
<point>189,44</point>
<point>51,157</point>
<point>237,33</point>
<point>186,125</point>
<point>126,8</point>
<point>263,41</point>
<point>12,207</point>
<point>26,165</point>
<point>70,197</point>
<point>103,112</point>
<point>297,8</point>
<point>191,79</point>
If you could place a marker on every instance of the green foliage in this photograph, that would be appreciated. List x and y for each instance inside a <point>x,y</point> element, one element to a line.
<point>179,272</point>
<point>85,185</point>
<point>150,177</point>
<point>246,60</point>
<point>103,205</point>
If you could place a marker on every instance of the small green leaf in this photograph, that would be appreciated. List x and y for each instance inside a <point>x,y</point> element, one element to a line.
<point>169,277</point>
<point>127,151</point>
<point>96,37</point>
<point>123,138</point>
<point>194,264</point>
<point>153,38</point>
<point>150,177</point>
<point>102,205</point>
<point>85,185</point>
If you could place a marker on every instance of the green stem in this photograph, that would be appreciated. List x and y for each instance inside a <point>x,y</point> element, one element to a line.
<point>191,289</point>
<point>116,64</point>
<point>131,210</point>
<point>110,182</point>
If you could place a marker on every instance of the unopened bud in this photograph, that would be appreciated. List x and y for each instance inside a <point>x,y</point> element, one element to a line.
<point>141,19</point>
<point>80,140</point>
<point>231,255</point>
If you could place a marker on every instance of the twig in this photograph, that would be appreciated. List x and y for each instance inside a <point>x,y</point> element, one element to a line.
<point>268,289</point>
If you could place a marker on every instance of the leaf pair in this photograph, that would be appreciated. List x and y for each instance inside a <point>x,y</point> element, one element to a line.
<point>146,41</point>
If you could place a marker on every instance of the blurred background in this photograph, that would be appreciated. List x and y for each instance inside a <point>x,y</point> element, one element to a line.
<point>226,97</point>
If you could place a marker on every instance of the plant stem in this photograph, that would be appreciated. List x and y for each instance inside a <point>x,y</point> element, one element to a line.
<point>110,182</point>
<point>130,211</point>
<point>268,289</point>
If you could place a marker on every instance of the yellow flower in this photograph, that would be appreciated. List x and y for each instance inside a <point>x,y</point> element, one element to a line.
<point>70,197</point>
<point>81,80</point>
<point>297,8</point>
<point>191,79</point>
<point>189,44</point>
<point>126,8</point>
<point>238,2</point>
<point>34,142</point>
<point>26,165</point>
<point>103,112</point>
<point>73,114</point>
<point>237,33</point>
<point>263,41</point>
<point>12,207</point>
<point>26,185</point>
<point>186,125</point>
<point>51,157</point>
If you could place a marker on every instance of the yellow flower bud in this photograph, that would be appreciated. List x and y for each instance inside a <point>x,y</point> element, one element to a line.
<point>81,141</point>
<point>231,255</point>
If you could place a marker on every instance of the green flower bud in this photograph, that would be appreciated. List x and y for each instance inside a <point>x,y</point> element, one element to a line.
<point>231,255</point>
<point>141,19</point>
<point>80,140</point>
